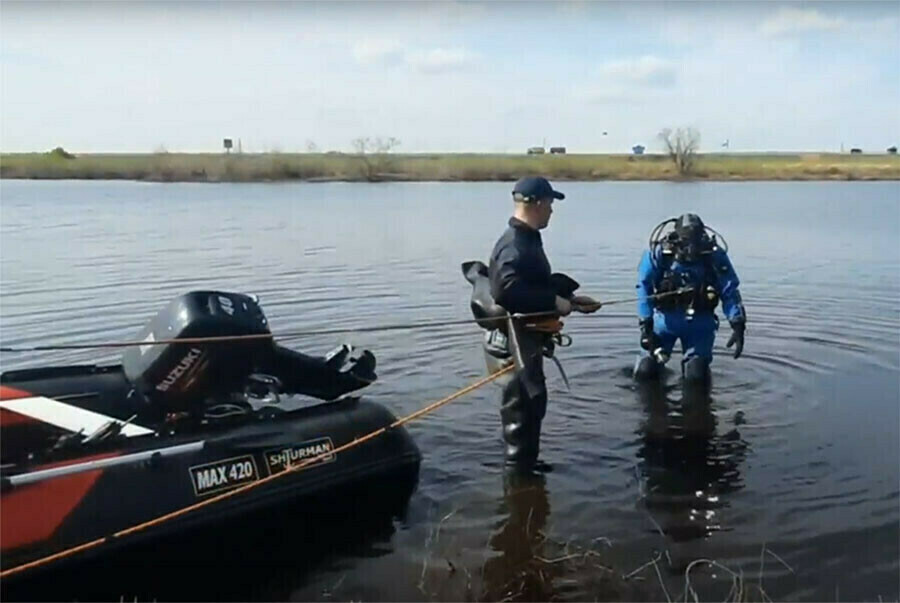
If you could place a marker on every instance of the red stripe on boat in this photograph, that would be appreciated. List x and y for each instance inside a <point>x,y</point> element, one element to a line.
<point>11,393</point>
<point>9,418</point>
<point>32,513</point>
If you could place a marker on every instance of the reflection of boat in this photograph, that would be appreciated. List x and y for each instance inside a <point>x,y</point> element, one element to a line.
<point>688,467</point>
<point>91,450</point>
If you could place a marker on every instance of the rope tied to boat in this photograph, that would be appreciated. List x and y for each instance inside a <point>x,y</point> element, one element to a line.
<point>256,484</point>
<point>410,326</point>
<point>69,552</point>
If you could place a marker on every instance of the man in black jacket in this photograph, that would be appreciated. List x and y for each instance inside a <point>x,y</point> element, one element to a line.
<point>522,282</point>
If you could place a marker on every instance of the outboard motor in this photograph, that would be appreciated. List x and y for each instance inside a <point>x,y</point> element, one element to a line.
<point>175,376</point>
<point>327,378</point>
<point>183,376</point>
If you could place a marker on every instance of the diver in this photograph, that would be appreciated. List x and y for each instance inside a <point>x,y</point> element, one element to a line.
<point>688,272</point>
<point>519,281</point>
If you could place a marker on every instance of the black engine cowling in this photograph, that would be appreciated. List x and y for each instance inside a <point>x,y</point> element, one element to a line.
<point>175,375</point>
<point>178,376</point>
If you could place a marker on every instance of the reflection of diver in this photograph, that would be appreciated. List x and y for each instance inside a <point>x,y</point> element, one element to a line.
<point>686,465</point>
<point>519,541</point>
<point>694,264</point>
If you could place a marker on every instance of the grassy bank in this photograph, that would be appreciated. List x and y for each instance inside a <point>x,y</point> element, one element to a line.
<point>187,167</point>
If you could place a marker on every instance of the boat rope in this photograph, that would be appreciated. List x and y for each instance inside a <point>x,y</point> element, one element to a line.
<point>231,493</point>
<point>410,326</point>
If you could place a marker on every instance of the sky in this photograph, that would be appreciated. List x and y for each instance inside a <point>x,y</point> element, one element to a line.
<point>448,76</point>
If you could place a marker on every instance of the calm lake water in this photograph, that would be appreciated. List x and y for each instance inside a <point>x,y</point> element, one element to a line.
<point>796,449</point>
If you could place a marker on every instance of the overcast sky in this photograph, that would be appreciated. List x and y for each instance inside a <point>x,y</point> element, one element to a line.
<point>448,76</point>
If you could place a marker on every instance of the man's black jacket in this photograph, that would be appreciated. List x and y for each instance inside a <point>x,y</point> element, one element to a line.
<point>520,272</point>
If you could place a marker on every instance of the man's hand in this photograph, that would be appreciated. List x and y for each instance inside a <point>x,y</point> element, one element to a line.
<point>563,306</point>
<point>585,304</point>
<point>737,337</point>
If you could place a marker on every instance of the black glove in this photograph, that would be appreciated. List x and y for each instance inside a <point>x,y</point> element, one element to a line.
<point>737,337</point>
<point>649,341</point>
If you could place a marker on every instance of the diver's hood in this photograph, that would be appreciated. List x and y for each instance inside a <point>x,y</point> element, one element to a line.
<point>686,238</point>
<point>690,229</point>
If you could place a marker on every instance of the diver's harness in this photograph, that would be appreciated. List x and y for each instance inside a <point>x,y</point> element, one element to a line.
<point>665,249</point>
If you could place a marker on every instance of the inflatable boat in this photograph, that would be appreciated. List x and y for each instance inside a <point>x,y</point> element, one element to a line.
<point>208,403</point>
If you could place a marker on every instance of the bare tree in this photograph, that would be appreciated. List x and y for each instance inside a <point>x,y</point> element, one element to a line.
<point>682,146</point>
<point>311,146</point>
<point>374,155</point>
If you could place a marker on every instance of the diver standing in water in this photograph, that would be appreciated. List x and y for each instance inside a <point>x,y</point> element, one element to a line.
<point>519,281</point>
<point>690,260</point>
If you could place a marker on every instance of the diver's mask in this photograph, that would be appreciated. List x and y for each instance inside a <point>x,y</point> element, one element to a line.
<point>691,239</point>
<point>688,251</point>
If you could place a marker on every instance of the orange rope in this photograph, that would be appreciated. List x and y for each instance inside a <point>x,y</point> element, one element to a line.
<point>428,324</point>
<point>302,465</point>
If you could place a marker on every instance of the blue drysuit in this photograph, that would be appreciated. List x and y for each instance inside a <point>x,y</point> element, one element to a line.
<point>696,330</point>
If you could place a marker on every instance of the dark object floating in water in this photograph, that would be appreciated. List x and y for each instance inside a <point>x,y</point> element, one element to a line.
<point>91,450</point>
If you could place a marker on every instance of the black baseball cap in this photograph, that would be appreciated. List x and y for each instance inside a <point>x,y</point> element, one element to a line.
<point>535,188</point>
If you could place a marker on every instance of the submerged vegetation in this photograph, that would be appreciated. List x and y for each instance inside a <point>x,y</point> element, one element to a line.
<point>375,167</point>
<point>521,561</point>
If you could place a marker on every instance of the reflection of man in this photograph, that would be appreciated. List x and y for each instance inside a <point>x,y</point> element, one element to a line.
<point>687,466</point>
<point>519,541</point>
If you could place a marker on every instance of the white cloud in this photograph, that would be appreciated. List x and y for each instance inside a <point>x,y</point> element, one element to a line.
<point>799,20</point>
<point>379,51</point>
<point>711,67</point>
<point>574,8</point>
<point>376,50</point>
<point>439,59</point>
<point>629,80</point>
<point>599,93</point>
<point>453,12</point>
<point>646,71</point>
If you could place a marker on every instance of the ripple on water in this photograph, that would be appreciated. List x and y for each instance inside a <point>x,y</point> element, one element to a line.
<point>790,449</point>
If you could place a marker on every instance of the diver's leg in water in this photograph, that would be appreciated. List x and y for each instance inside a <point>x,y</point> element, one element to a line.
<point>646,366</point>
<point>697,341</point>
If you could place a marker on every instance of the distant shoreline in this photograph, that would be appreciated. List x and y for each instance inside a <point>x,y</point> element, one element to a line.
<point>440,167</point>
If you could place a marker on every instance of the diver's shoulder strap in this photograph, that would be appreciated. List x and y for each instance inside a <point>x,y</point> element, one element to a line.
<point>662,263</point>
